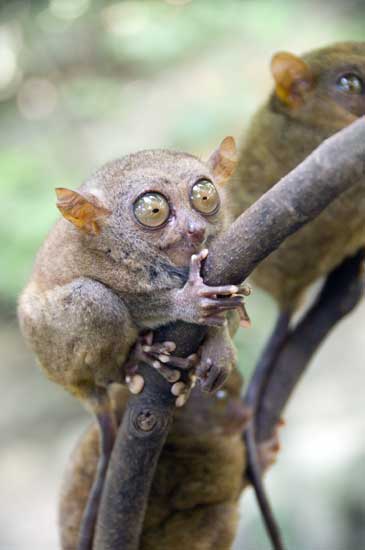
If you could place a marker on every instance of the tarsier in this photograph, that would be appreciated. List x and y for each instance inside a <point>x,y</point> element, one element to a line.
<point>197,506</point>
<point>315,96</point>
<point>125,259</point>
<point>194,496</point>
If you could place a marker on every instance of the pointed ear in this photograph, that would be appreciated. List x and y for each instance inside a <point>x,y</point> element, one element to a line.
<point>224,160</point>
<point>82,212</point>
<point>293,77</point>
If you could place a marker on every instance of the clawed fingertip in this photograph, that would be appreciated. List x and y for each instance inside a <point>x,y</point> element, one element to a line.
<point>181,400</point>
<point>136,384</point>
<point>174,376</point>
<point>178,388</point>
<point>171,346</point>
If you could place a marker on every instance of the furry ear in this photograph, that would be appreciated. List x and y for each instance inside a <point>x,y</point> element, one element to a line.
<point>293,77</point>
<point>223,160</point>
<point>82,212</point>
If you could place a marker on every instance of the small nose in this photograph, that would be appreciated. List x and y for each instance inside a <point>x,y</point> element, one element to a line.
<point>196,232</point>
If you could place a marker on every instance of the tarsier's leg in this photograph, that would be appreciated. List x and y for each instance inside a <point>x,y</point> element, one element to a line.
<point>107,428</point>
<point>87,332</point>
<point>340,294</point>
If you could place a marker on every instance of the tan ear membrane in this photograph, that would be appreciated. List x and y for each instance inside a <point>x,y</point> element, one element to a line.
<point>224,160</point>
<point>82,212</point>
<point>293,77</point>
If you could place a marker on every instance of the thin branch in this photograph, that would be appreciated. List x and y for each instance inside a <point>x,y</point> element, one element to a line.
<point>341,293</point>
<point>299,197</point>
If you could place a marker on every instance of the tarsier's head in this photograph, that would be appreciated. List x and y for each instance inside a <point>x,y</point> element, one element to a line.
<point>156,201</point>
<point>324,88</point>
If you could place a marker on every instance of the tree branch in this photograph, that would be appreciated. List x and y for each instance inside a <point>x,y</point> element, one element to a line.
<point>341,293</point>
<point>299,197</point>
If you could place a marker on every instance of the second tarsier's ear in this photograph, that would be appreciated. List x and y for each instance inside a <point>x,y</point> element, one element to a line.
<point>223,160</point>
<point>84,213</point>
<point>293,77</point>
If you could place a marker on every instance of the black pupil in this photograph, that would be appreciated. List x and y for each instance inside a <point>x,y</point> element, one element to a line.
<point>205,198</point>
<point>155,210</point>
<point>351,83</point>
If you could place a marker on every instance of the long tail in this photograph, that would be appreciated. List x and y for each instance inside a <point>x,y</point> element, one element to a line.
<point>255,390</point>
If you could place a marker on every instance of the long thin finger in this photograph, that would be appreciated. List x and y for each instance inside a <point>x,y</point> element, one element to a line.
<point>184,363</point>
<point>227,290</point>
<point>195,266</point>
<point>208,303</point>
<point>164,347</point>
<point>170,375</point>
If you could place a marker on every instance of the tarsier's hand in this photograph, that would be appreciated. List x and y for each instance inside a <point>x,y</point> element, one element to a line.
<point>206,305</point>
<point>198,303</point>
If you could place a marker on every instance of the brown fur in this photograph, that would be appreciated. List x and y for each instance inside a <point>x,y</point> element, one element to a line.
<point>283,132</point>
<point>194,497</point>
<point>101,277</point>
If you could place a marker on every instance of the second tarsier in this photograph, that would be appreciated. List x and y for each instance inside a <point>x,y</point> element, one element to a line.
<point>314,96</point>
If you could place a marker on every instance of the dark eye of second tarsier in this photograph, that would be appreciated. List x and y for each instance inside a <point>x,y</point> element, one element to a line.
<point>204,197</point>
<point>350,83</point>
<point>151,210</point>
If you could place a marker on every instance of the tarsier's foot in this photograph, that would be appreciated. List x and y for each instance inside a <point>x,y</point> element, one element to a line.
<point>217,359</point>
<point>210,374</point>
<point>158,356</point>
<point>207,305</point>
<point>268,450</point>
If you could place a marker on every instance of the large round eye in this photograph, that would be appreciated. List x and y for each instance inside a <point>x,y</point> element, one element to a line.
<point>151,210</point>
<point>204,197</point>
<point>350,83</point>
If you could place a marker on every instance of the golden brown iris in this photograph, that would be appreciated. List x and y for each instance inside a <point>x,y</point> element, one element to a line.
<point>204,197</point>
<point>152,210</point>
